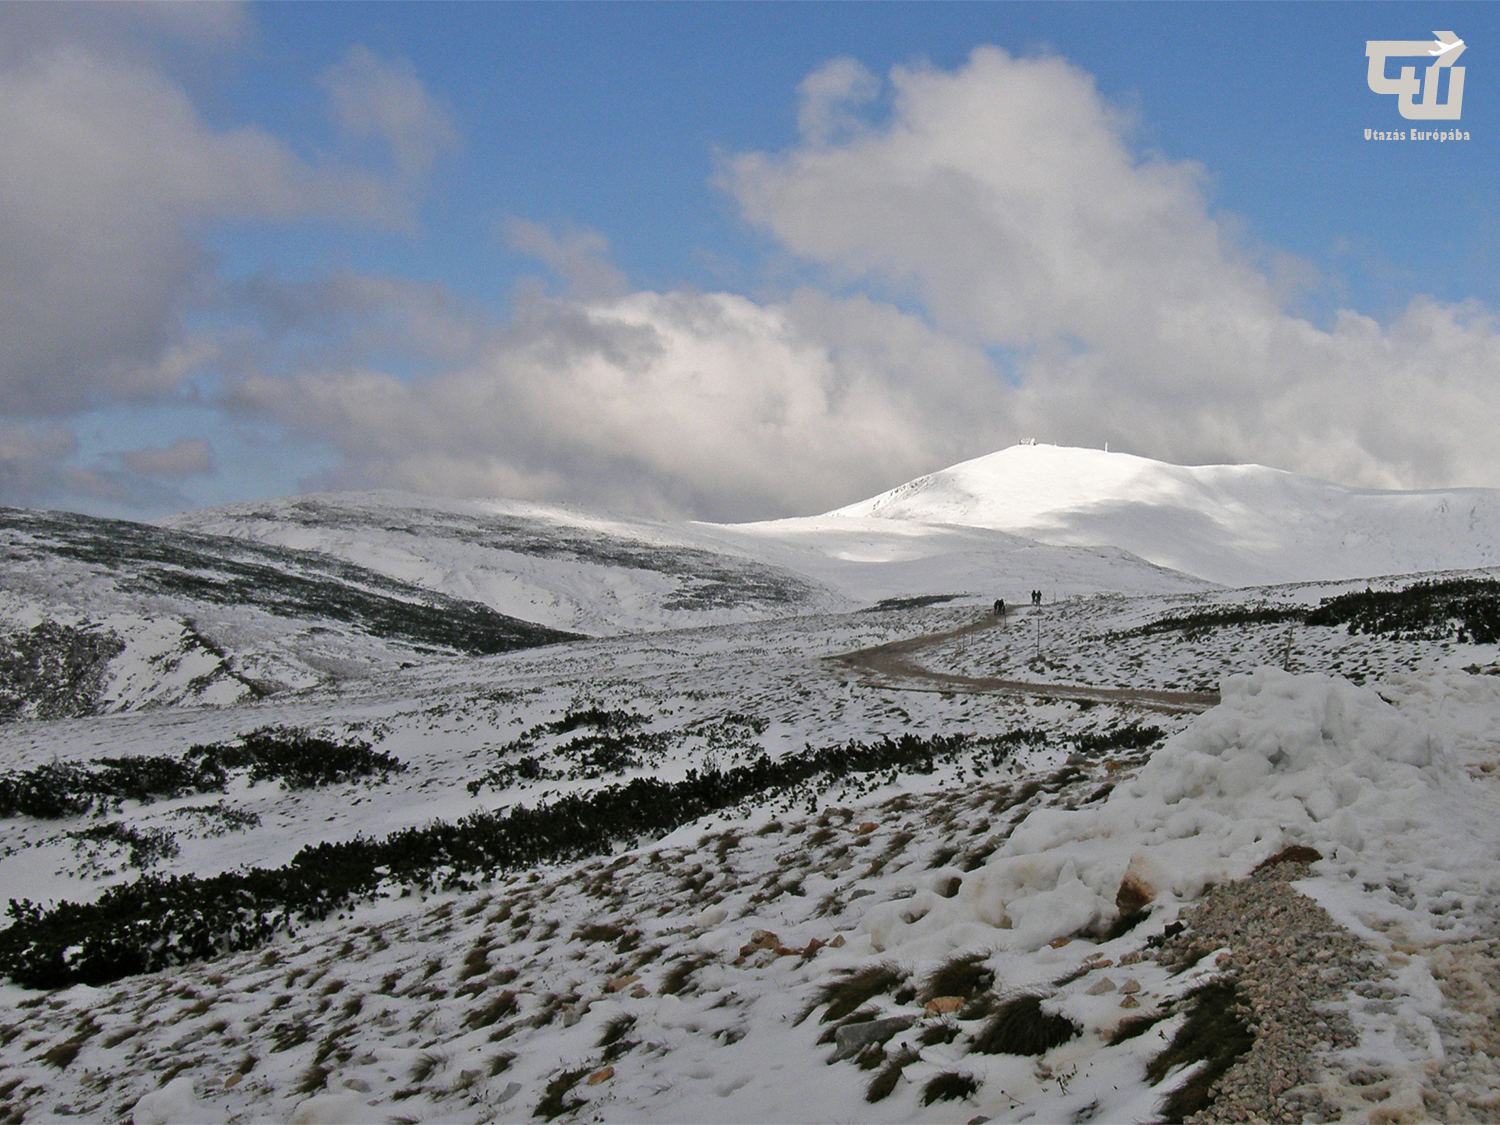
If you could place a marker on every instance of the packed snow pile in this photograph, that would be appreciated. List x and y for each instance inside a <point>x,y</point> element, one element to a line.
<point>1285,760</point>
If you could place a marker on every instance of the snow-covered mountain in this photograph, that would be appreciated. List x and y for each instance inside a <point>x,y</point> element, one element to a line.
<point>603,575</point>
<point>1068,521</point>
<point>1237,525</point>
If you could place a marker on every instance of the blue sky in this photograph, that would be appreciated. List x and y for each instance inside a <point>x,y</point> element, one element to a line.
<point>533,251</point>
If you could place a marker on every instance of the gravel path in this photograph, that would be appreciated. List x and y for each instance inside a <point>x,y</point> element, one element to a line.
<point>893,665</point>
<point>1290,961</point>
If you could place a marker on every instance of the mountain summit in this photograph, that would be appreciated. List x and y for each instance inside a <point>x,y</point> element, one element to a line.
<point>1238,525</point>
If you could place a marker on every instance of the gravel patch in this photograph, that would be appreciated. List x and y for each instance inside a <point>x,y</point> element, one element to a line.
<point>1290,963</point>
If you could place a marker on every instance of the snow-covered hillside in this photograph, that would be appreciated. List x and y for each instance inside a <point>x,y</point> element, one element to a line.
<point>892,904</point>
<point>1238,525</point>
<point>104,615</point>
<point>604,575</point>
<point>809,835</point>
<point>1067,521</point>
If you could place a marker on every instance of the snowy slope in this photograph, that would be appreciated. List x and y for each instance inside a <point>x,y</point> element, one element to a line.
<point>603,575</point>
<point>692,977</point>
<point>548,564</point>
<point>103,615</point>
<point>1237,525</point>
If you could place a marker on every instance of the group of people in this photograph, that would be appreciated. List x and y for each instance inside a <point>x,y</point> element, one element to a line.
<point>1036,599</point>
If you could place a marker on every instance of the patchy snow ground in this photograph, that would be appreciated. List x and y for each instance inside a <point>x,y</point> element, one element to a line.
<point>713,975</point>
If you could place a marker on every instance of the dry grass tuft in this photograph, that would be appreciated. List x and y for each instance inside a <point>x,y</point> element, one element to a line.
<point>1021,1027</point>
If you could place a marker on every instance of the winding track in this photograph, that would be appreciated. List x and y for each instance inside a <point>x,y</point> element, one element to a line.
<point>894,665</point>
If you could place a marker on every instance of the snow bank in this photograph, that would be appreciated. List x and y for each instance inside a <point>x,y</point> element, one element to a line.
<point>1283,760</point>
<point>176,1103</point>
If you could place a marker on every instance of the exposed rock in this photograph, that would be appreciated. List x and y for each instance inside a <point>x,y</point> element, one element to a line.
<point>854,1037</point>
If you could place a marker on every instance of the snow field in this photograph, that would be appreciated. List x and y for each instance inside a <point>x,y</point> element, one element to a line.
<point>391,998</point>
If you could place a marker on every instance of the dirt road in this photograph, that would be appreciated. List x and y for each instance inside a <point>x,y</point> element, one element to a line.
<point>894,665</point>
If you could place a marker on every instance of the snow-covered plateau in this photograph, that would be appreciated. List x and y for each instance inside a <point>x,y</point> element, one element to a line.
<point>367,807</point>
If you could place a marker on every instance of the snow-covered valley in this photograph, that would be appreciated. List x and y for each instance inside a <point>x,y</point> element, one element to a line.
<point>406,851</point>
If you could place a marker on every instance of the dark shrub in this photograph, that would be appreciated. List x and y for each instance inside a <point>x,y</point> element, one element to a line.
<point>1020,1027</point>
<point>1215,1034</point>
<point>948,1087</point>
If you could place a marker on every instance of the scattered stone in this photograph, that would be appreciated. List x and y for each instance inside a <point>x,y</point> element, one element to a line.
<point>1134,895</point>
<point>616,984</point>
<point>866,828</point>
<point>603,1075</point>
<point>1297,853</point>
<point>1131,958</point>
<point>1272,934</point>
<point>640,992</point>
<point>1130,1002</point>
<point>760,939</point>
<point>837,942</point>
<point>1058,943</point>
<point>1100,987</point>
<point>1130,986</point>
<point>943,1005</point>
<point>854,1037</point>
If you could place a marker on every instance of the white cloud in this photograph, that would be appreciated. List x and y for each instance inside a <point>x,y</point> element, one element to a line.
<point>996,208</point>
<point>1006,199</point>
<point>109,179</point>
<point>373,97</point>
<point>707,404</point>
<point>579,257</point>
<point>829,95</point>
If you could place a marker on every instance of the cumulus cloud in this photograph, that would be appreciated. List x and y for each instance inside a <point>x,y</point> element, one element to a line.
<point>1004,203</point>
<point>829,96</point>
<point>379,98</point>
<point>579,257</point>
<point>1005,198</point>
<point>1000,262</point>
<point>109,180</point>
<point>708,404</point>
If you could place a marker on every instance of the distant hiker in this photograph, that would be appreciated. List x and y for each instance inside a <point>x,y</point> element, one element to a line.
<point>999,607</point>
